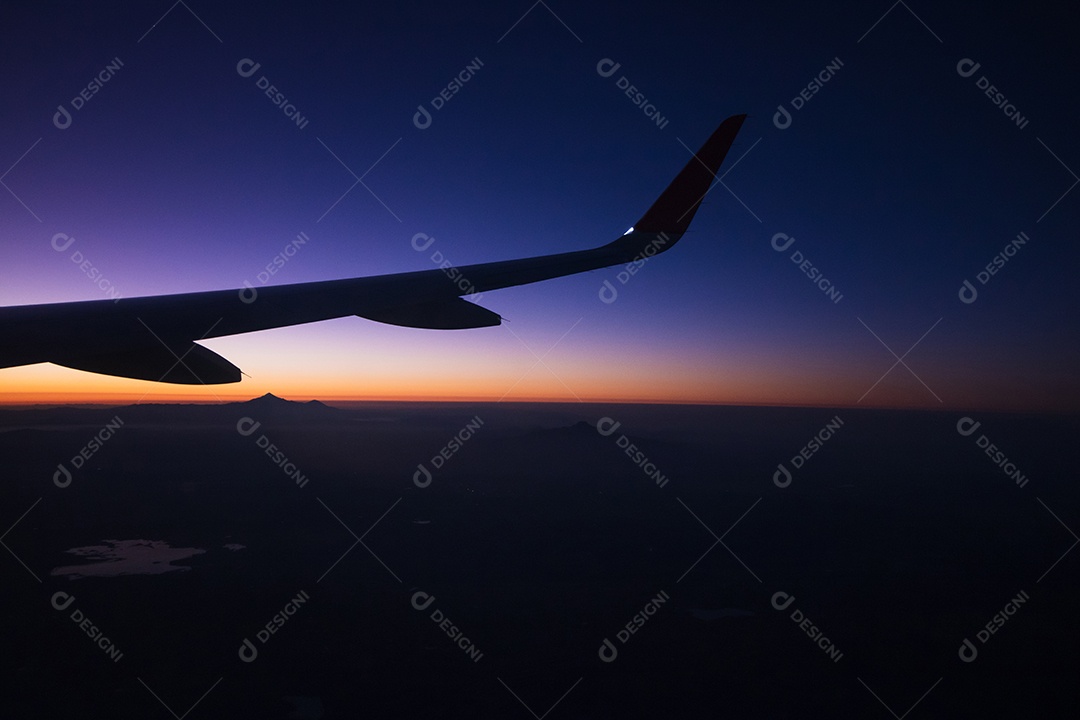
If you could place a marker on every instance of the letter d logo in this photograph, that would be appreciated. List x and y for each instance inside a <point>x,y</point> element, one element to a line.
<point>965,426</point>
<point>967,67</point>
<point>782,118</point>
<point>65,238</point>
<point>246,68</point>
<point>608,293</point>
<point>782,477</point>
<point>607,67</point>
<point>248,652</point>
<point>968,293</point>
<point>608,652</point>
<point>782,600</point>
<point>248,293</point>
<point>422,118</point>
<point>605,426</point>
<point>246,426</point>
<point>62,118</point>
<point>968,652</point>
<point>421,600</point>
<point>62,477</point>
<point>422,477</point>
<point>418,241</point>
<point>61,600</point>
<point>781,237</point>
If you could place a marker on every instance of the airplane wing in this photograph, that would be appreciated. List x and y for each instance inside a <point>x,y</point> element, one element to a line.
<point>155,338</point>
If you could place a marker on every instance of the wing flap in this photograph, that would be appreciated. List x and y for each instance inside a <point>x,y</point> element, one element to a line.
<point>455,314</point>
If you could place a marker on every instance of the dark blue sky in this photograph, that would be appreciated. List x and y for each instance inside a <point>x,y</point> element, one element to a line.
<point>899,179</point>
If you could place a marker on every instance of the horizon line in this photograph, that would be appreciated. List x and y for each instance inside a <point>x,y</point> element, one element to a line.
<point>354,400</point>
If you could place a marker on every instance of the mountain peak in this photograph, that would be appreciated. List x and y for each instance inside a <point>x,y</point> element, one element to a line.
<point>272,403</point>
<point>270,400</point>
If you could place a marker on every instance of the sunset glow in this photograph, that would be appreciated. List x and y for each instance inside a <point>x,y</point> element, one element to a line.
<point>832,266</point>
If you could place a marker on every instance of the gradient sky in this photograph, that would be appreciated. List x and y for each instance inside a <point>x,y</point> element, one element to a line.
<point>899,180</point>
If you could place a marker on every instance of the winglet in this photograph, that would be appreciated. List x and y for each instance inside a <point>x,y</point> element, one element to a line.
<point>670,215</point>
<point>675,208</point>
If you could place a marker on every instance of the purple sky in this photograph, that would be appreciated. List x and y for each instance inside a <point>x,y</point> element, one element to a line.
<point>899,179</point>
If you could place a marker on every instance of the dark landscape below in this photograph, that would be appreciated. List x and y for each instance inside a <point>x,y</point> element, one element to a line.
<point>486,560</point>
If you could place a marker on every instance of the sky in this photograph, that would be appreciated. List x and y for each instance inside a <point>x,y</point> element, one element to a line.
<point>837,263</point>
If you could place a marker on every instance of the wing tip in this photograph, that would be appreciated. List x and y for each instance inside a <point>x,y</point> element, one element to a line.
<point>672,212</point>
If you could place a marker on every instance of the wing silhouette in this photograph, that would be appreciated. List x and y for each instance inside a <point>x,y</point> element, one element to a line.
<point>155,338</point>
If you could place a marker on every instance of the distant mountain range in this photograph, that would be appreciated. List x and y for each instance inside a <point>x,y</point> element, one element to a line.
<point>269,407</point>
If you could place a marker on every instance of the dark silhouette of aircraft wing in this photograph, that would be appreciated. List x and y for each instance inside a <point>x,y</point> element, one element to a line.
<point>154,338</point>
